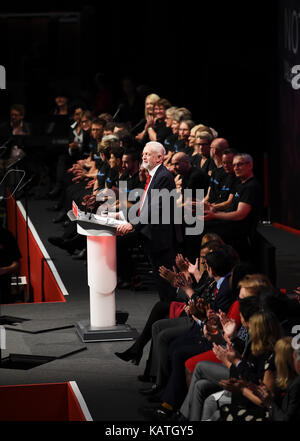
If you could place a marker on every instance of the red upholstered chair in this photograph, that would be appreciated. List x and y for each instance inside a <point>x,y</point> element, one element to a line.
<point>191,363</point>
<point>176,309</point>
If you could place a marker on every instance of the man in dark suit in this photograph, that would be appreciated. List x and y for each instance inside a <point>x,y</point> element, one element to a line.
<point>159,237</point>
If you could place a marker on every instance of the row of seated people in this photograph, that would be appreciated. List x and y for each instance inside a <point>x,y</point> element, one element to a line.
<point>226,349</point>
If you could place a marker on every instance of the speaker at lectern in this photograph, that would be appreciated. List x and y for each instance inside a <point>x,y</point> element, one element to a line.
<point>100,232</point>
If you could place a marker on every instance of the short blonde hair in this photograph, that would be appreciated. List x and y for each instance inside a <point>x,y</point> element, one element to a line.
<point>253,283</point>
<point>203,134</point>
<point>153,98</point>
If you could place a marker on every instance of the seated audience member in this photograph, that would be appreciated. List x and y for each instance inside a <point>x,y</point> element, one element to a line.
<point>61,104</point>
<point>158,131</point>
<point>109,128</point>
<point>268,403</point>
<point>242,274</point>
<point>223,182</point>
<point>159,311</point>
<point>180,114</point>
<point>201,155</point>
<point>189,178</point>
<point>141,128</point>
<point>194,131</point>
<point>219,265</point>
<point>264,331</point>
<point>16,125</point>
<point>83,169</point>
<point>11,135</point>
<point>9,263</point>
<point>182,143</point>
<point>71,154</point>
<point>240,219</point>
<point>284,403</point>
<point>207,374</point>
<point>97,176</point>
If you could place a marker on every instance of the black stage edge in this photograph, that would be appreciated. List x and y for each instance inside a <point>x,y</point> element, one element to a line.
<point>90,334</point>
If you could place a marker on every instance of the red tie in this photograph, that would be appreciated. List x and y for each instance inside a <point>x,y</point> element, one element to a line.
<point>144,194</point>
<point>216,291</point>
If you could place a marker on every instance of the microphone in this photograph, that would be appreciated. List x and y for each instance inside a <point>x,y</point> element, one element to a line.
<point>19,158</point>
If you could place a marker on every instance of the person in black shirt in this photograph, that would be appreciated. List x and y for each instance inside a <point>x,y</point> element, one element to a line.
<point>158,131</point>
<point>203,159</point>
<point>9,263</point>
<point>223,183</point>
<point>240,219</point>
<point>182,143</point>
<point>189,177</point>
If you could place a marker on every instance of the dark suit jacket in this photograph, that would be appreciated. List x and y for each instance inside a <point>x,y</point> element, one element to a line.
<point>160,236</point>
<point>224,297</point>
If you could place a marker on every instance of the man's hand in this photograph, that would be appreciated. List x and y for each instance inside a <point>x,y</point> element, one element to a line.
<point>168,275</point>
<point>124,229</point>
<point>228,325</point>
<point>209,213</point>
<point>182,263</point>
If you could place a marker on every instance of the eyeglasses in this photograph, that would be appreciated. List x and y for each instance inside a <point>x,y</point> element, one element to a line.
<point>240,164</point>
<point>85,121</point>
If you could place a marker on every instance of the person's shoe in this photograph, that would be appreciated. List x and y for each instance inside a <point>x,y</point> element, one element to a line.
<point>60,218</point>
<point>81,255</point>
<point>55,192</point>
<point>155,389</point>
<point>130,355</point>
<point>156,413</point>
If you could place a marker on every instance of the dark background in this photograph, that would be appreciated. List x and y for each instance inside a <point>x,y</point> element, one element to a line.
<point>219,59</point>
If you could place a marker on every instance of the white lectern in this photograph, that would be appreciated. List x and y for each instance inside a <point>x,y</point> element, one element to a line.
<point>102,278</point>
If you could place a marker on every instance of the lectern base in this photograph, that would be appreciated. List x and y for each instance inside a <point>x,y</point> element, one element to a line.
<point>90,334</point>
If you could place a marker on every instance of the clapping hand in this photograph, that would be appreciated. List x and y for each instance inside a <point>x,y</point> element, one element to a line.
<point>184,280</point>
<point>90,184</point>
<point>262,392</point>
<point>226,355</point>
<point>182,263</point>
<point>234,385</point>
<point>168,275</point>
<point>193,268</point>
<point>228,325</point>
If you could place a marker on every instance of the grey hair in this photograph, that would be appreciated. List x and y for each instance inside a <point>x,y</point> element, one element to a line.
<point>246,157</point>
<point>157,147</point>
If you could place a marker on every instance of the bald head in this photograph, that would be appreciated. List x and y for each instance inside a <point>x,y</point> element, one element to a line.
<point>217,147</point>
<point>181,163</point>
